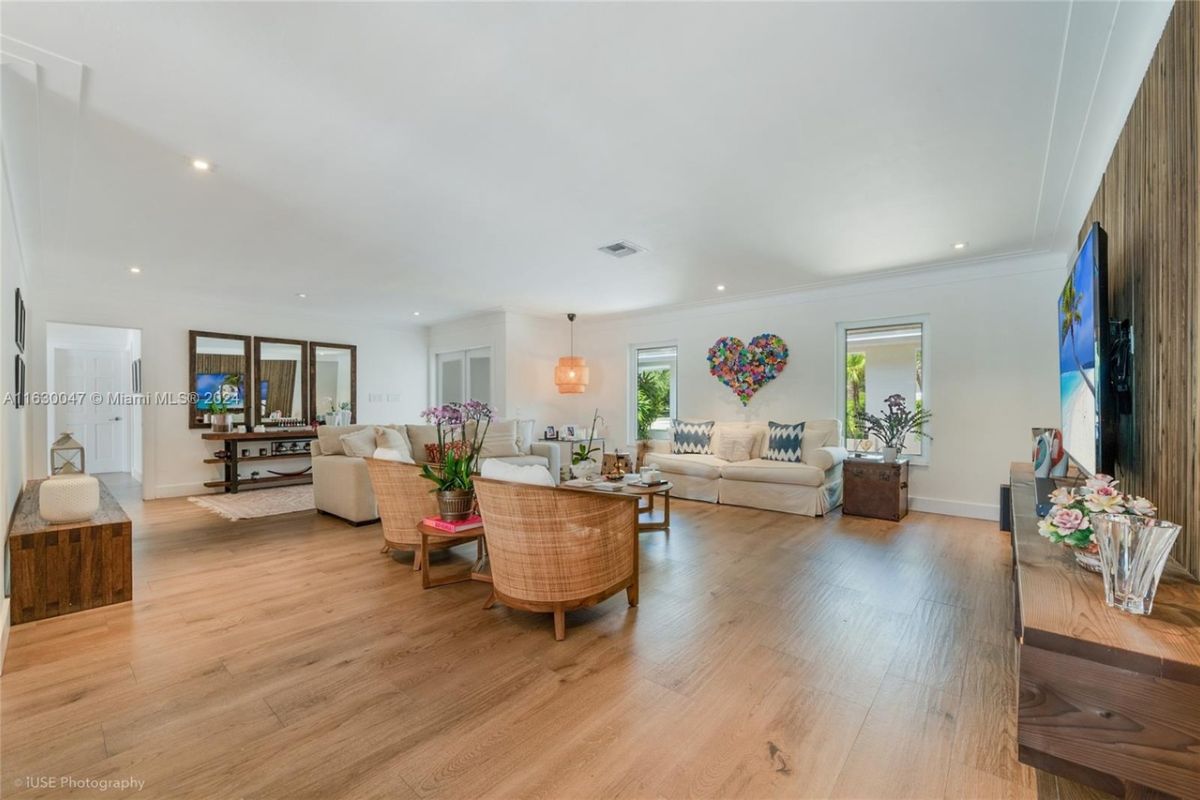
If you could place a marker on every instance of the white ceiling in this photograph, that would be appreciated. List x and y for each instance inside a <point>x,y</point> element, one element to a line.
<point>388,158</point>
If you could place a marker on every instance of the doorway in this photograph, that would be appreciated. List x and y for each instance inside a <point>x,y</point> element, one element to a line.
<point>94,366</point>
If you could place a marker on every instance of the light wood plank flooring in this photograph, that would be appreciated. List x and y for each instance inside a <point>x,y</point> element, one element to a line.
<point>771,656</point>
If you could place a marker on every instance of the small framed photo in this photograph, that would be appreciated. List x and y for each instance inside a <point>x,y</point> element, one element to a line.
<point>568,431</point>
<point>550,433</point>
<point>18,381</point>
<point>136,368</point>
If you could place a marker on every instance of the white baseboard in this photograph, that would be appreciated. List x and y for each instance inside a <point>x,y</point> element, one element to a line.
<point>955,508</point>
<point>180,490</point>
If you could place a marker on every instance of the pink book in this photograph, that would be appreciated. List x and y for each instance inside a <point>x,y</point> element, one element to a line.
<point>467,524</point>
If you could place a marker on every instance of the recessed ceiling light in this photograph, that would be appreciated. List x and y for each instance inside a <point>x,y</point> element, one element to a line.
<point>301,295</point>
<point>416,313</point>
<point>200,165</point>
<point>960,245</point>
<point>135,270</point>
<point>720,287</point>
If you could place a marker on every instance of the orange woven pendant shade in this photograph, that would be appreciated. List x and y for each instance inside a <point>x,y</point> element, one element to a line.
<point>571,375</point>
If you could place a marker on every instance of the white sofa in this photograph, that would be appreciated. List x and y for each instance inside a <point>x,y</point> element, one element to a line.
<point>342,486</point>
<point>812,486</point>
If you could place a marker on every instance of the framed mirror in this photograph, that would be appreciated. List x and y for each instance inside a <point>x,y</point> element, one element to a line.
<point>280,381</point>
<point>218,376</point>
<point>333,382</point>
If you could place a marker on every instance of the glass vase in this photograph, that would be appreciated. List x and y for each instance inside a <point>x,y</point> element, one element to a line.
<point>1133,552</point>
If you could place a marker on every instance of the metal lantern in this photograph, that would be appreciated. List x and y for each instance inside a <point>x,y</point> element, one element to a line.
<point>66,456</point>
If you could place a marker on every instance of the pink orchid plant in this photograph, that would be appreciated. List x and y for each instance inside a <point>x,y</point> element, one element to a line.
<point>1070,520</point>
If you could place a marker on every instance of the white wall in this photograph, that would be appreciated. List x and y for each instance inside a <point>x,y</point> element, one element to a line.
<point>989,365</point>
<point>391,366</point>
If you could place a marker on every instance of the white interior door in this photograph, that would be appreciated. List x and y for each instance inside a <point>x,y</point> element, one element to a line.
<point>102,428</point>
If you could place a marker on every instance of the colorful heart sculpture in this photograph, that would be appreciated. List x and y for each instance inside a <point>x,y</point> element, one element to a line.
<point>746,368</point>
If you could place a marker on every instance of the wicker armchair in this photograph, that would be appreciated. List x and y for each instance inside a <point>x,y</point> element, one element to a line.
<point>557,549</point>
<point>404,499</point>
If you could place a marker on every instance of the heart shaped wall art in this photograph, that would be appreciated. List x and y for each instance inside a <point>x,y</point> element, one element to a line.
<point>746,368</point>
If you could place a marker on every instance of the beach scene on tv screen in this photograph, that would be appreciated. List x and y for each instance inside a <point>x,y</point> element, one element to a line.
<point>1077,359</point>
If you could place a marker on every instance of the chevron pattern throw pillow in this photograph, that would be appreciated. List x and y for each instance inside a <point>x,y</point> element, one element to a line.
<point>783,443</point>
<point>691,438</point>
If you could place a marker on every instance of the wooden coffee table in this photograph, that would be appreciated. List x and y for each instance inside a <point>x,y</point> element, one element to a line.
<point>479,571</point>
<point>649,492</point>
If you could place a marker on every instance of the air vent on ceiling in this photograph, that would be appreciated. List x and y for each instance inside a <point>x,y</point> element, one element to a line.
<point>620,249</point>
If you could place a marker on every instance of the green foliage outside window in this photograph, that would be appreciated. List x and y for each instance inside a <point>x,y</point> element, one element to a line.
<point>653,398</point>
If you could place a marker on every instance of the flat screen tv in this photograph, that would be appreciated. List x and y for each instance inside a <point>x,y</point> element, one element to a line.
<point>213,384</point>
<point>1086,393</point>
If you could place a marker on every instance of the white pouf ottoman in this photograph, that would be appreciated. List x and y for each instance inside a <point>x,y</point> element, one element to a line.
<point>68,498</point>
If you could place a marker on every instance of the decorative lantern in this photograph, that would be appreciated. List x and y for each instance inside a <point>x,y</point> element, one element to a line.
<point>571,374</point>
<point>66,456</point>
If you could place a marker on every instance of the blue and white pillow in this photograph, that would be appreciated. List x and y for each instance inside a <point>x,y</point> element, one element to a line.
<point>783,442</point>
<point>691,438</point>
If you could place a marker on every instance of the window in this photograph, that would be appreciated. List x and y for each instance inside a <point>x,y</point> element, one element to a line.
<point>654,390</point>
<point>882,360</point>
<point>464,375</point>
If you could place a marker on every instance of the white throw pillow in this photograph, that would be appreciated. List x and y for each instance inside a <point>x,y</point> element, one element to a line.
<point>525,435</point>
<point>500,441</point>
<point>393,440</point>
<point>533,474</point>
<point>360,443</point>
<point>736,445</point>
<point>391,454</point>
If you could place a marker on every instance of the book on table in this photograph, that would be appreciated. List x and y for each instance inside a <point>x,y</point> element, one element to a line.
<point>460,526</point>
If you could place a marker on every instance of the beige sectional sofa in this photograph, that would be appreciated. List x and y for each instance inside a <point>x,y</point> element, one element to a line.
<point>811,487</point>
<point>342,487</point>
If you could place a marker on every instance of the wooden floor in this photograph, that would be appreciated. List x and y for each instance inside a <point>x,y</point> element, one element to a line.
<point>770,656</point>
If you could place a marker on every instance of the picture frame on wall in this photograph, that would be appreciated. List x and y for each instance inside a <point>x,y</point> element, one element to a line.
<point>136,369</point>
<point>18,381</point>
<point>19,322</point>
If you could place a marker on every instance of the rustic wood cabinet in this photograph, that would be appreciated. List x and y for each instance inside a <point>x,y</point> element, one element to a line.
<point>873,488</point>
<point>73,566</point>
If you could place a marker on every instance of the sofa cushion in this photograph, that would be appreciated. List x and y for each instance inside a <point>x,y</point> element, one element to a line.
<point>696,466</point>
<point>761,470</point>
<point>500,440</point>
<point>736,445</point>
<point>691,437</point>
<point>329,438</point>
<point>394,441</point>
<point>504,470</point>
<point>783,442</point>
<point>820,433</point>
<point>524,461</point>
<point>360,443</point>
<point>390,454</point>
<point>418,437</point>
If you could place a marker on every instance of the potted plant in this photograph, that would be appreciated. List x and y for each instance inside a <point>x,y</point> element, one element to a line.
<point>582,463</point>
<point>1070,519</point>
<point>893,425</point>
<point>219,415</point>
<point>461,428</point>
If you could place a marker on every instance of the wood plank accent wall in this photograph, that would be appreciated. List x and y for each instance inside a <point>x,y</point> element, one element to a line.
<point>1149,203</point>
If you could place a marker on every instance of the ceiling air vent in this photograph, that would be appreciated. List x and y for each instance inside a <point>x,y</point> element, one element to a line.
<point>620,249</point>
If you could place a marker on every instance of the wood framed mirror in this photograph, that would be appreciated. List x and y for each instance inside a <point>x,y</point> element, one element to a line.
<point>218,370</point>
<point>280,381</point>
<point>333,382</point>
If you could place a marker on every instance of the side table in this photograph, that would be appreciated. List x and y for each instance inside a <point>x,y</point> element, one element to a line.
<point>479,570</point>
<point>874,488</point>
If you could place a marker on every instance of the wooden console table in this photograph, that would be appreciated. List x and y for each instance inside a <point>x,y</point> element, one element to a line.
<point>233,482</point>
<point>61,568</point>
<point>1105,698</point>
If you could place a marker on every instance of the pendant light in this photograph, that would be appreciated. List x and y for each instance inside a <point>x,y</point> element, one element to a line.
<point>571,374</point>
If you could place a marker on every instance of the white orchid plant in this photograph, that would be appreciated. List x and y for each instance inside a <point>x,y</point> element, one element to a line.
<point>1070,520</point>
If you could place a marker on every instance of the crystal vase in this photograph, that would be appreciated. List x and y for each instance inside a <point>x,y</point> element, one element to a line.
<point>1133,552</point>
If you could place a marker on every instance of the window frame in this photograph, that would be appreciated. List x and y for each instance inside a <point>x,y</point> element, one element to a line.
<point>631,383</point>
<point>841,328</point>
<point>463,355</point>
